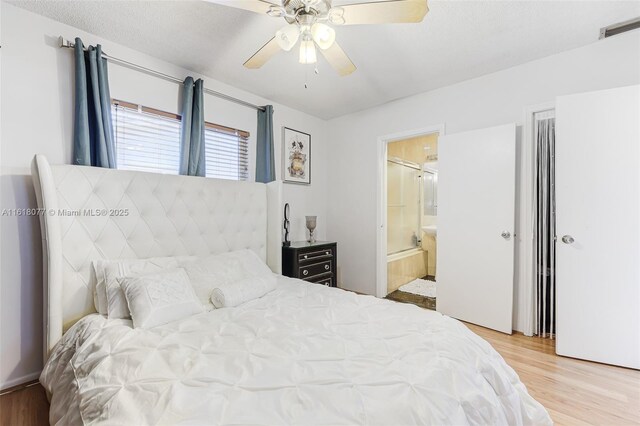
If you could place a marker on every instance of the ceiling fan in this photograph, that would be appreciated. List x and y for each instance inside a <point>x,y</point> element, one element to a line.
<point>309,21</point>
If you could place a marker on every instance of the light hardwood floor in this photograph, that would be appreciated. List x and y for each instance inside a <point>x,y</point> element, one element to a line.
<point>574,392</point>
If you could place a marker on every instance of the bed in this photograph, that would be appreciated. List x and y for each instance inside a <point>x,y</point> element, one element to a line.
<point>301,354</point>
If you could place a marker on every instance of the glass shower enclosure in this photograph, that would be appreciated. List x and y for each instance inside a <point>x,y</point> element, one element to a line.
<point>404,212</point>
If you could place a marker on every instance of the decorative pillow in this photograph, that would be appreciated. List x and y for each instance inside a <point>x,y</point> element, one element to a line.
<point>219,270</point>
<point>100,290</point>
<point>114,269</point>
<point>251,263</point>
<point>239,292</point>
<point>160,298</point>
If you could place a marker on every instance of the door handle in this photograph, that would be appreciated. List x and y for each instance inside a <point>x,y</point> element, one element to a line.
<point>567,239</point>
<point>506,235</point>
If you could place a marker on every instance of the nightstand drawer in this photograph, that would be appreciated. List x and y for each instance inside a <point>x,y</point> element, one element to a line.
<point>310,271</point>
<point>328,281</point>
<point>315,255</point>
<point>321,279</point>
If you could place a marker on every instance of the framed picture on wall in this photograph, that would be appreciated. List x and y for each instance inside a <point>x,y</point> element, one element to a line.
<point>296,156</point>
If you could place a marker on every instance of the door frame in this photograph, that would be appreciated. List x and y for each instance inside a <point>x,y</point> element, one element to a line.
<point>381,199</point>
<point>526,256</point>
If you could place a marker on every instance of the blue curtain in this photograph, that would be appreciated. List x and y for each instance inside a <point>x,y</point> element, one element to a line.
<point>265,163</point>
<point>192,156</point>
<point>93,141</point>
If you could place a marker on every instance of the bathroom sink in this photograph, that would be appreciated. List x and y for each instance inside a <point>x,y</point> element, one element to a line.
<point>430,229</point>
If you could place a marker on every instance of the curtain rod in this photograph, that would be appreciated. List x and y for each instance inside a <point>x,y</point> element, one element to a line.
<point>62,42</point>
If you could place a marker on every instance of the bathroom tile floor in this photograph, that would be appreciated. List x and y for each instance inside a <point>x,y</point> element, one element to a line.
<point>422,301</point>
<point>416,299</point>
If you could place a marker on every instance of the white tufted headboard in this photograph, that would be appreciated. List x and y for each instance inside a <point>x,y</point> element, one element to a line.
<point>147,215</point>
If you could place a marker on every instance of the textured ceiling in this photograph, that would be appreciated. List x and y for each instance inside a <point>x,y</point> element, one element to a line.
<point>458,40</point>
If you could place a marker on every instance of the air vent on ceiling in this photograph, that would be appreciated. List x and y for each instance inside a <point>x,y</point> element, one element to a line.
<point>619,28</point>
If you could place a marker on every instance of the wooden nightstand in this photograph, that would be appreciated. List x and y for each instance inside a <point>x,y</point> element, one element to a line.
<point>313,262</point>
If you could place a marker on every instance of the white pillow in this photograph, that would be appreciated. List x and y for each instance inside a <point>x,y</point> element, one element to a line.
<point>239,292</point>
<point>99,291</point>
<point>114,269</point>
<point>160,298</point>
<point>219,270</point>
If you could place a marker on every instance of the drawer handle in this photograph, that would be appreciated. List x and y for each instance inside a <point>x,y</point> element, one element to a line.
<point>305,272</point>
<point>305,256</point>
<point>327,253</point>
<point>326,267</point>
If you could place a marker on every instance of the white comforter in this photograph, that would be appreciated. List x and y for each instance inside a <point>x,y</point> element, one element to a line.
<point>302,354</point>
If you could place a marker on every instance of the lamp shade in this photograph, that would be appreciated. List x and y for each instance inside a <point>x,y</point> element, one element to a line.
<point>307,52</point>
<point>287,37</point>
<point>323,35</point>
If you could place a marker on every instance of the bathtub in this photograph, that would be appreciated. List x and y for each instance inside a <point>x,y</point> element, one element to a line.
<point>402,254</point>
<point>405,266</point>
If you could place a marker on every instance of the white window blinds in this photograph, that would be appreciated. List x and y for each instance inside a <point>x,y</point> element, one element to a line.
<point>149,140</point>
<point>145,141</point>
<point>226,153</point>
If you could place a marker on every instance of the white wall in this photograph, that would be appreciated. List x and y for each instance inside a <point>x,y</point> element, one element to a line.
<point>494,99</point>
<point>37,105</point>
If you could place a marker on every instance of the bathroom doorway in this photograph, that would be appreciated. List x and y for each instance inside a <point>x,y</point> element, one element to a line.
<point>411,213</point>
<point>473,226</point>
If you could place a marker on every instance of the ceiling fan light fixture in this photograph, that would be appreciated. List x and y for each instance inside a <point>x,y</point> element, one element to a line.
<point>287,37</point>
<point>308,52</point>
<point>336,16</point>
<point>276,11</point>
<point>323,35</point>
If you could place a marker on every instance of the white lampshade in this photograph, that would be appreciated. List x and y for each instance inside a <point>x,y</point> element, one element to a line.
<point>323,35</point>
<point>308,52</point>
<point>287,37</point>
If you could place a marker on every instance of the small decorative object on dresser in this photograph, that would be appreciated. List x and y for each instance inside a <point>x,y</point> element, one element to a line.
<point>313,262</point>
<point>287,226</point>
<point>311,222</point>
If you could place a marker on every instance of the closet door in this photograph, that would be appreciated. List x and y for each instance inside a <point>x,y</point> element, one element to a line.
<point>476,198</point>
<point>598,226</point>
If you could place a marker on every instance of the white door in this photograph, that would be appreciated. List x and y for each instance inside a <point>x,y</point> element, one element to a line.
<point>476,196</point>
<point>598,226</point>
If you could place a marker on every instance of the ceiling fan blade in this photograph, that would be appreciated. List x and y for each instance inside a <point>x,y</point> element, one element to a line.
<point>338,59</point>
<point>257,6</point>
<point>263,55</point>
<point>385,12</point>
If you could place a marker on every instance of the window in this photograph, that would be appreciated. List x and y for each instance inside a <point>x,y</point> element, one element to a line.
<point>145,140</point>
<point>149,140</point>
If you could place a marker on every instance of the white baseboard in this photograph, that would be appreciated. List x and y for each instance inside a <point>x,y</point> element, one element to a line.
<point>19,380</point>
